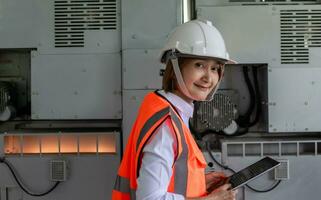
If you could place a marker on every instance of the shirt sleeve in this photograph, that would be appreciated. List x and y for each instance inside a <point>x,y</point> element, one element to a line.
<point>156,168</point>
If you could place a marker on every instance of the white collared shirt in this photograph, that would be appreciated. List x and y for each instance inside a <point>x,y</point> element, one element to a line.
<point>158,156</point>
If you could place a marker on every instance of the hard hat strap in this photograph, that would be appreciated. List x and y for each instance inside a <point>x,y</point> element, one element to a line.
<point>179,77</point>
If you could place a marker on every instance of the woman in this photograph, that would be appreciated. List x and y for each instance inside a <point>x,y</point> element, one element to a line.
<point>162,160</point>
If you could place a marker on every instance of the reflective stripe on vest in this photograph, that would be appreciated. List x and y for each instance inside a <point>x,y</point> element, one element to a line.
<point>150,122</point>
<point>122,185</point>
<point>180,183</point>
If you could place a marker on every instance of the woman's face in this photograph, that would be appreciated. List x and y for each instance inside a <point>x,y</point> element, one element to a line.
<point>200,77</point>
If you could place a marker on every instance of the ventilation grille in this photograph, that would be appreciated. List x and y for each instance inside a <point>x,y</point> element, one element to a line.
<point>300,30</point>
<point>58,170</point>
<point>73,17</point>
<point>214,115</point>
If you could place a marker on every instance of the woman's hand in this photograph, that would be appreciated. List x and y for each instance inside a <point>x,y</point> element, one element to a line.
<point>217,188</point>
<point>222,193</point>
<point>214,179</point>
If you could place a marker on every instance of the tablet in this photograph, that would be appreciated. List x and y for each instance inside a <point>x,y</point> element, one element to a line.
<point>251,172</point>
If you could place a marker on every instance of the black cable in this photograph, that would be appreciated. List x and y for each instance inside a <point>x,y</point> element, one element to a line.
<point>264,191</point>
<point>233,171</point>
<point>258,98</point>
<point>3,160</point>
<point>244,120</point>
<point>251,91</point>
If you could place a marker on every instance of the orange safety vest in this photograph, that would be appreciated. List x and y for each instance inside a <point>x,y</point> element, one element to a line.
<point>188,177</point>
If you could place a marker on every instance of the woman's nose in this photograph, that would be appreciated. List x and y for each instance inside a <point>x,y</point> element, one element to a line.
<point>207,74</point>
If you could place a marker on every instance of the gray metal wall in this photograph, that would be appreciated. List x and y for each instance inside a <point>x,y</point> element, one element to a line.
<point>145,27</point>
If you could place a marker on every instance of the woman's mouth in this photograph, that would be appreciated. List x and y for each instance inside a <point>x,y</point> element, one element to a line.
<point>201,87</point>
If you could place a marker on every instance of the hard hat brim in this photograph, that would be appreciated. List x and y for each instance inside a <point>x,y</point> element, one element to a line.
<point>225,61</point>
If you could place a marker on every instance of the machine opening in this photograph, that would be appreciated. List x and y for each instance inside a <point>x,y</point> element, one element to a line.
<point>27,144</point>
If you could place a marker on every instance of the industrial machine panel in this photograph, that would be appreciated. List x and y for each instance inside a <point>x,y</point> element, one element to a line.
<point>20,23</point>
<point>90,170</point>
<point>146,29</point>
<point>141,69</point>
<point>248,39</point>
<point>294,99</point>
<point>75,86</point>
<point>277,35</point>
<point>302,156</point>
<point>287,39</point>
<point>61,27</point>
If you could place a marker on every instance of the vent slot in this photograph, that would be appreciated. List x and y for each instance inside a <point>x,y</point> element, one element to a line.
<point>73,17</point>
<point>270,148</point>
<point>300,30</point>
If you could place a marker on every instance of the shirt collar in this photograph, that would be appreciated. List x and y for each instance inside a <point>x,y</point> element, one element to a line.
<point>184,108</point>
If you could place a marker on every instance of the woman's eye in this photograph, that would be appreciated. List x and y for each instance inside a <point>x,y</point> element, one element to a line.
<point>199,65</point>
<point>215,68</point>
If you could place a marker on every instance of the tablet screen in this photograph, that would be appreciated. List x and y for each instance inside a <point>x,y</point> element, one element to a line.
<point>247,174</point>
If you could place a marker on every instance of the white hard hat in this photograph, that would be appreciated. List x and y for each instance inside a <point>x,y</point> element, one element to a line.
<point>195,39</point>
